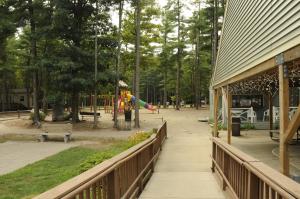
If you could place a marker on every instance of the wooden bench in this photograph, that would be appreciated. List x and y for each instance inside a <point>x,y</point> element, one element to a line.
<point>88,114</point>
<point>56,130</point>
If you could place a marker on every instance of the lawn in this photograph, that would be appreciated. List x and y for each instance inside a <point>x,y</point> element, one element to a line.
<point>40,176</point>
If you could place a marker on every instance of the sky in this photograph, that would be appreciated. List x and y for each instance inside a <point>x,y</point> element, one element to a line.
<point>187,9</point>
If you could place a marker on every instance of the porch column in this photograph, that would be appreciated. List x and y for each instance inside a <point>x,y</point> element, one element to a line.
<point>216,104</point>
<point>229,120</point>
<point>284,118</point>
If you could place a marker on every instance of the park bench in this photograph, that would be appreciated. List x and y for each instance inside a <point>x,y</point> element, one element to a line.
<point>88,114</point>
<point>56,130</point>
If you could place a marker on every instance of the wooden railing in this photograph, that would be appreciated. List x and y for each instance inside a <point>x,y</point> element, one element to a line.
<point>248,178</point>
<point>122,176</point>
<point>14,114</point>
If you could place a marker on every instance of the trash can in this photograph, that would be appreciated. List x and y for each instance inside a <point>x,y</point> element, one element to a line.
<point>127,115</point>
<point>236,126</point>
<point>127,119</point>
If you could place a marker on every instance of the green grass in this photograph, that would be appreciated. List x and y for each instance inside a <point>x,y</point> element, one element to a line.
<point>40,176</point>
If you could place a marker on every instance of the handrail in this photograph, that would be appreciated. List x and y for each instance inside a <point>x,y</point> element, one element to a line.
<point>122,176</point>
<point>247,177</point>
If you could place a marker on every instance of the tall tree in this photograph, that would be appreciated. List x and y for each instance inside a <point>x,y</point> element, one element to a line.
<point>179,56</point>
<point>73,25</point>
<point>33,52</point>
<point>118,64</point>
<point>96,69</point>
<point>137,63</point>
<point>197,79</point>
<point>7,28</point>
<point>165,57</point>
<point>215,32</point>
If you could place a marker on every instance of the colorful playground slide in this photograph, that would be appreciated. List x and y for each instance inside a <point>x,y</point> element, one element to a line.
<point>141,102</point>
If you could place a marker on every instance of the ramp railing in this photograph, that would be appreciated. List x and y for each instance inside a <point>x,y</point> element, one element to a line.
<point>123,176</point>
<point>248,178</point>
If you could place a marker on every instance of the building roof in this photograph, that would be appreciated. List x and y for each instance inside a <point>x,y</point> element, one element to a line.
<point>254,32</point>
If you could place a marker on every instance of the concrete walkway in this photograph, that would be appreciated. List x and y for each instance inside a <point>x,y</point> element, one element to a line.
<point>183,169</point>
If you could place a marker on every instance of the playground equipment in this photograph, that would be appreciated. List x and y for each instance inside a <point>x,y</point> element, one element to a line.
<point>126,97</point>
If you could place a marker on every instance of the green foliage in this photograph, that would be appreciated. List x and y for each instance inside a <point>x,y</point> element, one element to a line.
<point>42,175</point>
<point>42,116</point>
<point>63,32</point>
<point>221,126</point>
<point>247,126</point>
<point>99,157</point>
<point>47,173</point>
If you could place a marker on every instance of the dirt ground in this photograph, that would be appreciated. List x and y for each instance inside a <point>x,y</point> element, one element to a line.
<point>256,143</point>
<point>84,129</point>
<point>19,145</point>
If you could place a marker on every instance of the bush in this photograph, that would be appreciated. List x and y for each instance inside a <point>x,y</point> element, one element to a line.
<point>99,157</point>
<point>138,137</point>
<point>247,126</point>
<point>42,116</point>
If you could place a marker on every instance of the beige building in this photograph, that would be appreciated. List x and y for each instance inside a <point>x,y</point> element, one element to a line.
<point>16,99</point>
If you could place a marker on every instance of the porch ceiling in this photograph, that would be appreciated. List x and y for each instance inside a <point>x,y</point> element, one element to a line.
<point>267,82</point>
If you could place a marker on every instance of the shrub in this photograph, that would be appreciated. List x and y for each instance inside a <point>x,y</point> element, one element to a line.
<point>138,137</point>
<point>247,126</point>
<point>99,157</point>
<point>42,116</point>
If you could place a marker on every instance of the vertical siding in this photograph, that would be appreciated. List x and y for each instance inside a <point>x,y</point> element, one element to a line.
<point>255,31</point>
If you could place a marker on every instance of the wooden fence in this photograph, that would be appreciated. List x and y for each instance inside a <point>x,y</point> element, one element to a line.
<point>248,178</point>
<point>123,176</point>
<point>14,114</point>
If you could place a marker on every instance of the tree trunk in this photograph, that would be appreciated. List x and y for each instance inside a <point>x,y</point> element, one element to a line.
<point>118,65</point>
<point>137,64</point>
<point>215,33</point>
<point>33,53</point>
<point>165,89</point>
<point>3,97</point>
<point>178,58</point>
<point>198,71</point>
<point>75,105</point>
<point>45,91</point>
<point>165,67</point>
<point>58,110</point>
<point>96,71</point>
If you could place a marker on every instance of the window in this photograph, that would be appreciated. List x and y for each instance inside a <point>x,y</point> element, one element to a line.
<point>22,98</point>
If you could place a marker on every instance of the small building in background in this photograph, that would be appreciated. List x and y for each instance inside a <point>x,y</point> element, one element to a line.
<point>16,99</point>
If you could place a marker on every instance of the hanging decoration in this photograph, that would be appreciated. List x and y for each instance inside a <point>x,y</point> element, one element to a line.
<point>267,82</point>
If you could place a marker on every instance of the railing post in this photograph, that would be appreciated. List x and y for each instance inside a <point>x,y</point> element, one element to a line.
<point>113,185</point>
<point>225,168</point>
<point>19,113</point>
<point>213,156</point>
<point>253,186</point>
<point>152,151</point>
